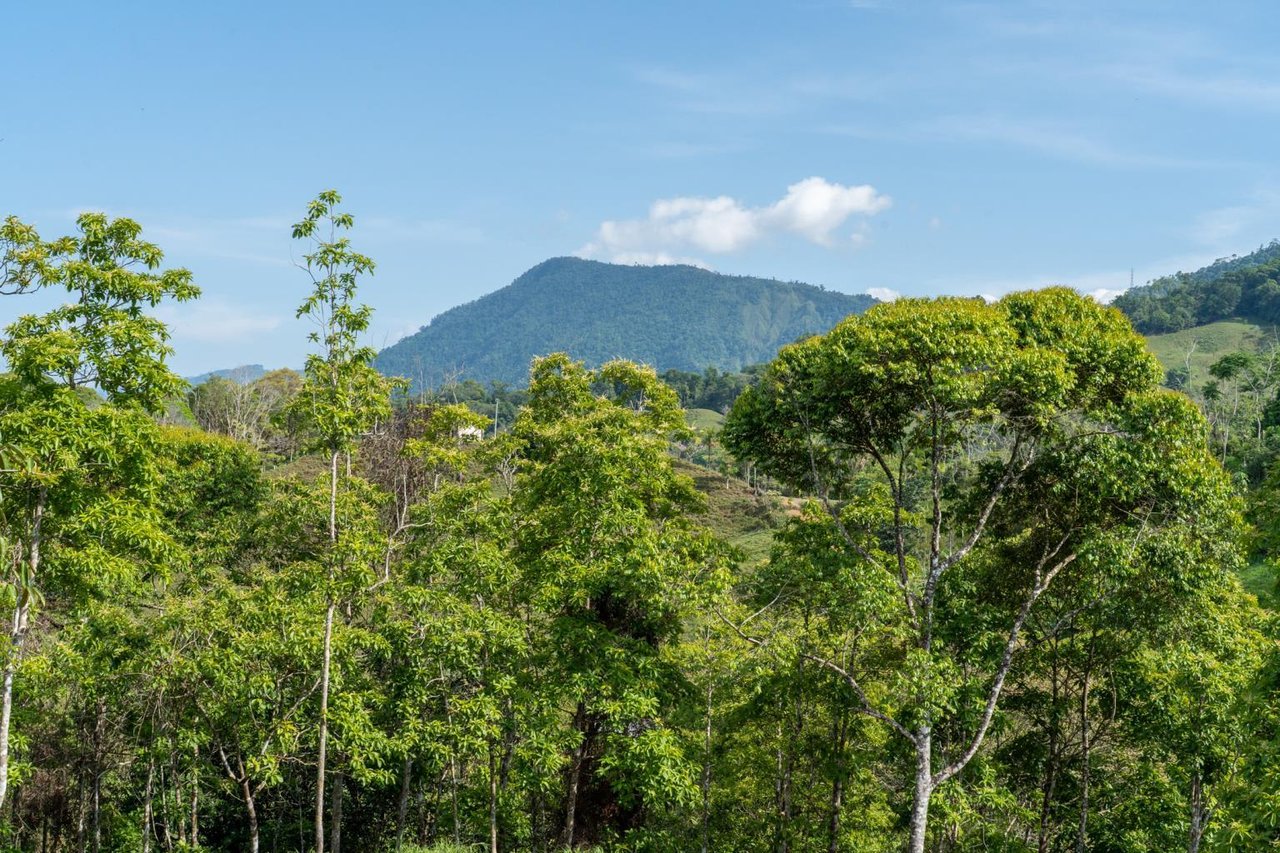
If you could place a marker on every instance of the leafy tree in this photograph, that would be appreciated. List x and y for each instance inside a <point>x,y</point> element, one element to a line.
<point>613,561</point>
<point>1236,286</point>
<point>79,504</point>
<point>968,454</point>
<point>1193,694</point>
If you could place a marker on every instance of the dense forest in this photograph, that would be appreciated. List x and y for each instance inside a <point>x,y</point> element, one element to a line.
<point>1242,286</point>
<point>671,317</point>
<point>1010,598</point>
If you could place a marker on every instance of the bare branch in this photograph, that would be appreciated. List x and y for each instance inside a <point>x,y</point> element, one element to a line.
<point>1042,581</point>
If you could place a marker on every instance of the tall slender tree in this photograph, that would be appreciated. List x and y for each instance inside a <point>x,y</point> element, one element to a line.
<point>342,398</point>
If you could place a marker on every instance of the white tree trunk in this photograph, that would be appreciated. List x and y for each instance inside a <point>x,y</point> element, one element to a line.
<point>17,639</point>
<point>326,656</point>
<point>923,792</point>
<point>324,726</point>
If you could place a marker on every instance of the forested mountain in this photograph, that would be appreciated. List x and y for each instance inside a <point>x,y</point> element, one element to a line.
<point>243,374</point>
<point>1243,286</point>
<point>671,317</point>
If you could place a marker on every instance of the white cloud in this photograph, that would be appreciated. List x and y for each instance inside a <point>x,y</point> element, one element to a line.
<point>658,259</point>
<point>214,322</point>
<point>1234,228</point>
<point>1250,88</point>
<point>1106,294</point>
<point>813,208</point>
<point>1053,139</point>
<point>884,294</point>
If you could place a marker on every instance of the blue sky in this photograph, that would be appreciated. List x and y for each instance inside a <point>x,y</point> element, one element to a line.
<point>914,147</point>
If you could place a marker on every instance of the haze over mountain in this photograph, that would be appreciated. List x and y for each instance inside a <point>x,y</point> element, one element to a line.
<point>677,316</point>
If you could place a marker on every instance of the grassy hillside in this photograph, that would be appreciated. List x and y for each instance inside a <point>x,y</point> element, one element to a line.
<point>704,419</point>
<point>1259,578</point>
<point>671,317</point>
<point>1201,346</point>
<point>736,514</point>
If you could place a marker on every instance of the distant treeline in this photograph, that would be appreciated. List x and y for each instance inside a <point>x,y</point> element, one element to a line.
<point>1233,287</point>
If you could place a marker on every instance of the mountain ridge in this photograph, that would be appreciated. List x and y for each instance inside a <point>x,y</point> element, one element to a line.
<point>671,316</point>
<point>243,374</point>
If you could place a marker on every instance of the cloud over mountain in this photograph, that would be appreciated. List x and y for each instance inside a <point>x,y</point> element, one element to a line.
<point>814,209</point>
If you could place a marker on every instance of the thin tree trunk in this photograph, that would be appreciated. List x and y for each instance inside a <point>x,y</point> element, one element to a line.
<point>241,777</point>
<point>97,811</point>
<point>327,653</point>
<point>1199,814</point>
<point>785,807</point>
<point>146,806</point>
<point>839,740</point>
<point>402,807</point>
<point>324,721</point>
<point>175,775</point>
<point>924,790</point>
<point>429,815</point>
<point>454,784</point>
<point>251,810</point>
<point>18,638</point>
<point>195,797</point>
<point>575,775</point>
<point>99,734</point>
<point>1082,836</point>
<point>1051,773</point>
<point>167,835</point>
<point>493,797</point>
<point>779,839</point>
<point>706,775</point>
<point>335,813</point>
<point>82,811</point>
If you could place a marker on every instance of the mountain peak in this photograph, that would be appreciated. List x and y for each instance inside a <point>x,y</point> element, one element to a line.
<point>670,316</point>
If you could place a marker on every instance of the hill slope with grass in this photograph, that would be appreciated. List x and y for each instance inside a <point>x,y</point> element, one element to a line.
<point>671,317</point>
<point>1197,348</point>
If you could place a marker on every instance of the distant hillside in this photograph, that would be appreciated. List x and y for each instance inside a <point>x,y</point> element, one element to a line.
<point>679,317</point>
<point>1244,286</point>
<point>243,374</point>
<point>1197,348</point>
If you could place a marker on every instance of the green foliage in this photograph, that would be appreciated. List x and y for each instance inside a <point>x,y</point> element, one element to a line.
<point>102,339</point>
<point>342,396</point>
<point>967,457</point>
<point>711,389</point>
<point>612,559</point>
<point>976,532</point>
<point>672,317</point>
<point>1192,351</point>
